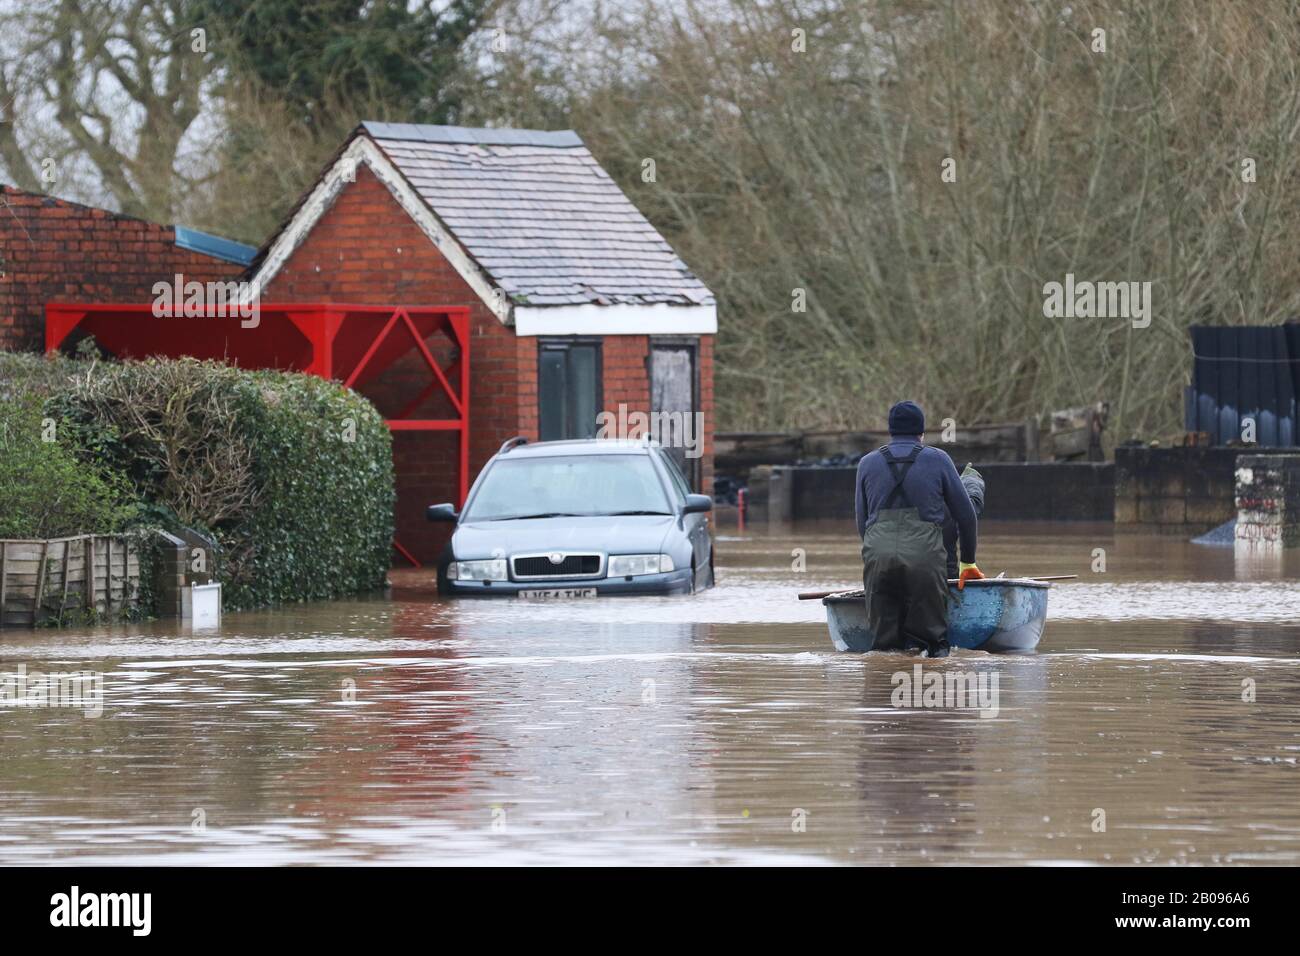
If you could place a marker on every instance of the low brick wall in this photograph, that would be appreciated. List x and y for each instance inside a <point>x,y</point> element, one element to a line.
<point>1083,491</point>
<point>46,255</point>
<point>189,558</point>
<point>1268,499</point>
<point>1176,490</point>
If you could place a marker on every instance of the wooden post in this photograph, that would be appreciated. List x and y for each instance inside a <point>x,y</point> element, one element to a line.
<point>67,556</point>
<point>4,580</point>
<point>89,582</point>
<point>108,576</point>
<point>1031,440</point>
<point>40,582</point>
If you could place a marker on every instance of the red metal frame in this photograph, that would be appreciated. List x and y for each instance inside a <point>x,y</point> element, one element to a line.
<point>344,341</point>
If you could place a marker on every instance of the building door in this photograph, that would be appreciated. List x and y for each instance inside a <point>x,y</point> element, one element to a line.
<point>673,390</point>
<point>568,388</point>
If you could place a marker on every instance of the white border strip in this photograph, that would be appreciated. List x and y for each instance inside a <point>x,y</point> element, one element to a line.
<point>616,320</point>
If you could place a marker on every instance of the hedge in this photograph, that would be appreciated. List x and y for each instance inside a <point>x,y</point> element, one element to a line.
<point>323,467</point>
<point>291,475</point>
<point>32,374</point>
<point>46,489</point>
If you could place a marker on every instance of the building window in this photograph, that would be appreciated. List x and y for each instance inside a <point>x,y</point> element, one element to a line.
<point>568,388</point>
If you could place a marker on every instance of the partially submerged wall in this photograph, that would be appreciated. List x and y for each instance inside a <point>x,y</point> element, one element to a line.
<point>1176,490</point>
<point>1268,500</point>
<point>736,454</point>
<point>1083,491</point>
<point>101,577</point>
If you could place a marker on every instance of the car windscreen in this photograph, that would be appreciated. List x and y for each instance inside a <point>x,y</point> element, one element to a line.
<point>568,485</point>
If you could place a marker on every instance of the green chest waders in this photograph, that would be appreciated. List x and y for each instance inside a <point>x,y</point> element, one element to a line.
<point>903,571</point>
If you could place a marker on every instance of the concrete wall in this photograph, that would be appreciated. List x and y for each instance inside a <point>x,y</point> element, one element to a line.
<point>1083,491</point>
<point>1065,491</point>
<point>737,454</point>
<point>1175,490</point>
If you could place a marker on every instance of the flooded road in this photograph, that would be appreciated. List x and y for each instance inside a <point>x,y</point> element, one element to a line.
<point>716,729</point>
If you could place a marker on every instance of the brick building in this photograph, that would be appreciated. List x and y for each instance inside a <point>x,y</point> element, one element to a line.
<point>54,249</point>
<point>577,306</point>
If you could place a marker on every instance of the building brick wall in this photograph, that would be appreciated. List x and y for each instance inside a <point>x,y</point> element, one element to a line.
<point>366,249</point>
<point>55,250</point>
<point>706,407</point>
<point>625,373</point>
<point>626,369</point>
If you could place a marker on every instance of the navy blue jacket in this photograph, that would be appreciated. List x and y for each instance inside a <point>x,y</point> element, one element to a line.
<point>933,488</point>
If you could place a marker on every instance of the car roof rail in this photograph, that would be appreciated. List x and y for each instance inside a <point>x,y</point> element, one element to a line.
<point>512,443</point>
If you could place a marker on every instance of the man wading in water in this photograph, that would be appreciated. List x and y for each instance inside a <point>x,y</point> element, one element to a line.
<point>902,491</point>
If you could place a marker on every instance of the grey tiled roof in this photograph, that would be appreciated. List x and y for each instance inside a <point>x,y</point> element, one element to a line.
<point>538,214</point>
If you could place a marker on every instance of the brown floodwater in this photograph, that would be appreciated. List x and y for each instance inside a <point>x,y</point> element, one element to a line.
<point>1159,722</point>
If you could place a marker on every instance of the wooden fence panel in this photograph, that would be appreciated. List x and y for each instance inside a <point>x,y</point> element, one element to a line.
<point>40,580</point>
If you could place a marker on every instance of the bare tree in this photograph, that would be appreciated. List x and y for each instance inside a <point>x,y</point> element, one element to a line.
<point>801,149</point>
<point>20,169</point>
<point>122,81</point>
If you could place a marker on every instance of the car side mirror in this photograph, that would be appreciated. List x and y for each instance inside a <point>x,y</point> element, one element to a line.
<point>444,512</point>
<point>695,504</point>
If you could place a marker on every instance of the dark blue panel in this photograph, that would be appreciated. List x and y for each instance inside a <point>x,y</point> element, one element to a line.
<point>1229,397</point>
<point>1245,371</point>
<point>1205,380</point>
<point>1288,432</point>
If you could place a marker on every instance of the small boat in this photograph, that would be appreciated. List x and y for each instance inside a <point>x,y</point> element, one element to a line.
<point>992,614</point>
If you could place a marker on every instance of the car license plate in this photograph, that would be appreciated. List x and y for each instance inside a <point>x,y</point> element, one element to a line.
<point>556,594</point>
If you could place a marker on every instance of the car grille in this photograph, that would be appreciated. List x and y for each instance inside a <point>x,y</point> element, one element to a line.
<point>537,566</point>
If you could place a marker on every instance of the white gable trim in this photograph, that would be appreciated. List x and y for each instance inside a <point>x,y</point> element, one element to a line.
<point>343,172</point>
<point>660,319</point>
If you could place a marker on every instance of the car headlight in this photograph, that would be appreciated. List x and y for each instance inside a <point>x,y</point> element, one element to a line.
<point>630,565</point>
<point>494,570</point>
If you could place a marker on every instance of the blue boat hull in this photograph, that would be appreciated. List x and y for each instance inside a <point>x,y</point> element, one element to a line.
<point>995,614</point>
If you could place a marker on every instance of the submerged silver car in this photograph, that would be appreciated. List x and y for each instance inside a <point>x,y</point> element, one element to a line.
<point>568,519</point>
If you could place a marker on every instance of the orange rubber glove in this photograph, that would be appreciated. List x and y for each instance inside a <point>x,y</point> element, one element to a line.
<point>968,572</point>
